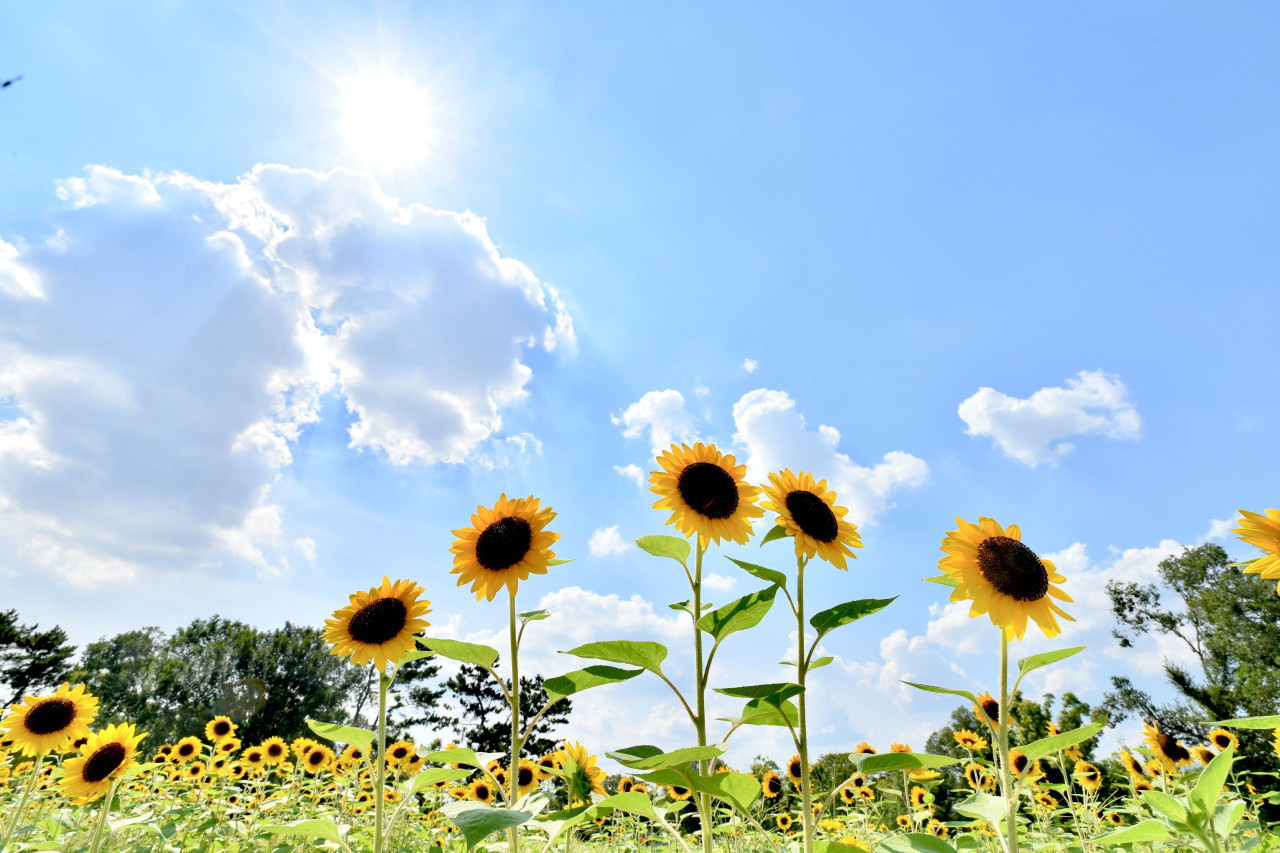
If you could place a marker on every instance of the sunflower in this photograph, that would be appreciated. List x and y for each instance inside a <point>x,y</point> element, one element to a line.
<point>1262,531</point>
<point>1019,763</point>
<point>705,492</point>
<point>771,785</point>
<point>970,740</point>
<point>378,624</point>
<point>848,795</point>
<point>938,829</point>
<point>103,759</point>
<point>274,751</point>
<point>865,793</point>
<point>784,822</point>
<point>481,791</point>
<point>920,798</point>
<point>194,770</point>
<point>301,746</point>
<point>1132,764</point>
<point>1166,749</point>
<point>793,770</point>
<point>903,821</point>
<point>43,724</point>
<point>458,792</point>
<point>503,546</point>
<point>219,729</point>
<point>1203,754</point>
<point>1003,577</point>
<point>808,512</point>
<point>1114,819</point>
<point>546,764</point>
<point>899,747</point>
<point>254,757</point>
<point>588,776</point>
<point>677,793</point>
<point>973,773</point>
<point>228,746</point>
<point>988,710</point>
<point>1049,801</point>
<point>315,759</point>
<point>187,749</point>
<point>1089,777</point>
<point>527,777</point>
<point>1222,739</point>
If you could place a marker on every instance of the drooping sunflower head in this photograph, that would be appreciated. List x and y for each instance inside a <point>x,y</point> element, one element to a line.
<point>970,740</point>
<point>41,724</point>
<point>378,625</point>
<point>1132,764</point>
<point>503,546</point>
<point>219,729</point>
<point>1262,531</point>
<point>988,709</point>
<point>899,747</point>
<point>1167,750</point>
<point>582,774</point>
<point>1002,577</point>
<point>706,494</point>
<point>103,758</point>
<point>771,785</point>
<point>1223,739</point>
<point>809,514</point>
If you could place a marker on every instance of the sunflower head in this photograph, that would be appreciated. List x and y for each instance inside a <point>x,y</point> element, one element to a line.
<point>503,546</point>
<point>705,493</point>
<point>899,747</point>
<point>794,770</point>
<point>1262,531</point>
<point>378,625</point>
<point>1223,739</point>
<point>528,776</point>
<point>808,512</point>
<point>970,740</point>
<point>1132,764</point>
<point>771,785</point>
<point>1002,577</point>
<point>104,757</point>
<point>581,773</point>
<point>1089,777</point>
<point>274,750</point>
<point>784,822</point>
<point>678,793</point>
<point>219,729</point>
<point>41,724</point>
<point>1168,752</point>
<point>865,748</point>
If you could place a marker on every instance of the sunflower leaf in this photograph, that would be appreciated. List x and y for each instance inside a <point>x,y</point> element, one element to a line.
<point>987,806</point>
<point>584,679</point>
<point>534,615</point>
<point>1166,805</point>
<point>739,790</point>
<point>1040,748</point>
<point>851,611</point>
<point>1148,830</point>
<point>645,757</point>
<point>556,561</point>
<point>942,580</point>
<point>822,661</point>
<point>478,821</point>
<point>631,652</point>
<point>343,734</point>
<point>464,756</point>
<point>1249,723</point>
<point>912,842</point>
<point>482,656</point>
<point>1208,790</point>
<point>315,828</point>
<point>772,694</point>
<point>412,655</point>
<point>1226,816</point>
<point>930,688</point>
<point>1044,659</point>
<point>774,577</point>
<point>432,775</point>
<point>631,802</point>
<point>868,763</point>
<point>666,546</point>
<point>776,532</point>
<point>738,615</point>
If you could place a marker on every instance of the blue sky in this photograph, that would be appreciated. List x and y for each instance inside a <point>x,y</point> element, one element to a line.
<point>813,237</point>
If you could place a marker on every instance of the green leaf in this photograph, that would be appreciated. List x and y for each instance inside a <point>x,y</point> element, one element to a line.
<point>646,757</point>
<point>1166,805</point>
<point>482,656</point>
<point>943,580</point>
<point>775,532</point>
<point>1226,816</point>
<point>1148,830</point>
<point>534,615</point>
<point>463,756</point>
<point>772,694</point>
<point>822,661</point>
<point>412,655</point>
<point>868,764</point>
<point>851,611</point>
<point>362,738</point>
<point>1249,723</point>
<point>930,688</point>
<point>584,679</point>
<point>773,577</point>
<point>666,546</point>
<point>432,775</point>
<point>738,615</point>
<point>478,821</point>
<point>314,828</point>
<point>986,806</point>
<point>556,561</point>
<point>1044,659</point>
<point>914,842</point>
<point>631,652</point>
<point>739,790</point>
<point>1040,748</point>
<point>1208,790</point>
<point>631,802</point>
<point>759,713</point>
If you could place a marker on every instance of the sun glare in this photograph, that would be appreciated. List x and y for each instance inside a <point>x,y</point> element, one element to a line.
<point>386,119</point>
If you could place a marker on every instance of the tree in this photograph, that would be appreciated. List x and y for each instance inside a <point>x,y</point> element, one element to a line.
<point>415,696</point>
<point>484,721</point>
<point>1230,622</point>
<point>30,659</point>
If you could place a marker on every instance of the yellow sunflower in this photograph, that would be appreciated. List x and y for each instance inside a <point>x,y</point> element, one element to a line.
<point>677,793</point>
<point>1003,577</point>
<point>1132,764</point>
<point>848,795</point>
<point>784,822</point>
<point>219,729</point>
<point>794,769</point>
<point>920,798</point>
<point>503,546</point>
<point>970,740</point>
<point>865,748</point>
<point>528,776</point>
<point>1167,750</point>
<point>771,785</point>
<point>187,749</point>
<point>274,751</point>
<point>973,773</point>
<point>41,724</point>
<point>809,513</point>
<point>1262,531</point>
<point>1203,754</point>
<point>378,624</point>
<point>103,758</point>
<point>481,791</point>
<point>587,777</point>
<point>705,492</point>
<point>315,759</point>
<point>1088,776</point>
<point>1222,739</point>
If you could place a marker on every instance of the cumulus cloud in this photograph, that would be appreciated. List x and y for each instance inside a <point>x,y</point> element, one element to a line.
<point>163,350</point>
<point>630,472</point>
<point>720,583</point>
<point>776,436</point>
<point>663,414</point>
<point>749,365</point>
<point>1034,430</point>
<point>606,541</point>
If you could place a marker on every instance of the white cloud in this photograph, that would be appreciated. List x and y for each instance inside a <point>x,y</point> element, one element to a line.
<point>1219,528</point>
<point>606,541</point>
<point>166,347</point>
<point>776,437</point>
<point>749,365</point>
<point>663,414</point>
<point>701,390</point>
<point>1034,430</point>
<point>720,583</point>
<point>631,472</point>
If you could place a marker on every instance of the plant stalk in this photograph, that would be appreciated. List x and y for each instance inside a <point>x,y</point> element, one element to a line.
<point>806,788</point>
<point>1006,775</point>
<point>26,793</point>
<point>380,785</point>
<point>513,835</point>
<point>700,721</point>
<point>102,817</point>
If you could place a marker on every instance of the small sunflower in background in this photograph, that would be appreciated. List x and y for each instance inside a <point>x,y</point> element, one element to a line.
<point>1132,764</point>
<point>678,793</point>
<point>771,785</point>
<point>1223,740</point>
<point>973,773</point>
<point>865,748</point>
<point>274,751</point>
<point>528,777</point>
<point>254,757</point>
<point>1167,750</point>
<point>706,494</point>
<point>1262,531</point>
<point>899,747</point>
<point>1002,577</point>
<point>848,795</point>
<point>187,749</point>
<point>793,770</point>
<point>809,514</point>
<point>784,822</point>
<point>103,759</point>
<point>503,546</point>
<point>903,821</point>
<point>41,724</point>
<point>219,729</point>
<point>378,625</point>
<point>481,791</point>
<point>920,798</point>
<point>970,740</point>
<point>1088,776</point>
<point>1113,819</point>
<point>1203,754</point>
<point>314,760</point>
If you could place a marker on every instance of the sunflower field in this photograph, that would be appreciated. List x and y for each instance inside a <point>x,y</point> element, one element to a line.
<point>71,782</point>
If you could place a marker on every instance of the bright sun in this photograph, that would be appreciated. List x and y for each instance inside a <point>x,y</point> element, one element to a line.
<point>386,119</point>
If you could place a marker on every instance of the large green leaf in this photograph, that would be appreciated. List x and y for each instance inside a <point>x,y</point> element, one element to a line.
<point>432,775</point>
<point>646,757</point>
<point>474,653</point>
<point>990,808</point>
<point>738,615</point>
<point>1208,790</point>
<point>760,713</point>
<point>362,738</point>
<point>770,575</point>
<point>630,652</point>
<point>868,764</point>
<point>478,821</point>
<point>771,694</point>
<point>1250,723</point>
<point>930,688</point>
<point>914,842</point>
<point>666,546</point>
<point>1147,830</point>
<point>851,611</point>
<point>1166,805</point>
<point>630,802</point>
<point>315,828</point>
<point>739,790</point>
<point>1045,658</point>
<point>1045,746</point>
<point>943,580</point>
<point>1226,816</point>
<point>462,755</point>
<point>584,679</point>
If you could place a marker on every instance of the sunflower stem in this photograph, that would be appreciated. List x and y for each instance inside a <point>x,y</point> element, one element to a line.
<point>700,674</point>
<point>513,835</point>
<point>26,792</point>
<point>383,683</point>
<point>1006,778</point>
<point>806,789</point>
<point>102,817</point>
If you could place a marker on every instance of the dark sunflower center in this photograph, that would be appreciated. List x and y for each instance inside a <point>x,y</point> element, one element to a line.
<point>315,758</point>
<point>482,792</point>
<point>678,791</point>
<point>378,621</point>
<point>399,752</point>
<point>49,716</point>
<point>504,543</point>
<point>221,728</point>
<point>1013,568</point>
<point>775,785</point>
<point>1019,763</point>
<point>105,759</point>
<point>1222,741</point>
<point>526,776</point>
<point>708,489</point>
<point>794,768</point>
<point>1172,748</point>
<point>186,749</point>
<point>813,515</point>
<point>275,750</point>
<point>991,708</point>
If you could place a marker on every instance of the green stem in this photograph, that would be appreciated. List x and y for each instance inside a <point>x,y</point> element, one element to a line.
<point>513,773</point>
<point>383,683</point>
<point>26,792</point>
<point>102,817</point>
<point>806,787</point>
<point>1006,777</point>
<point>700,674</point>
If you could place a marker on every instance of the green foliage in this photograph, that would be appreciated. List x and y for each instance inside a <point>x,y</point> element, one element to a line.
<point>483,717</point>
<point>31,660</point>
